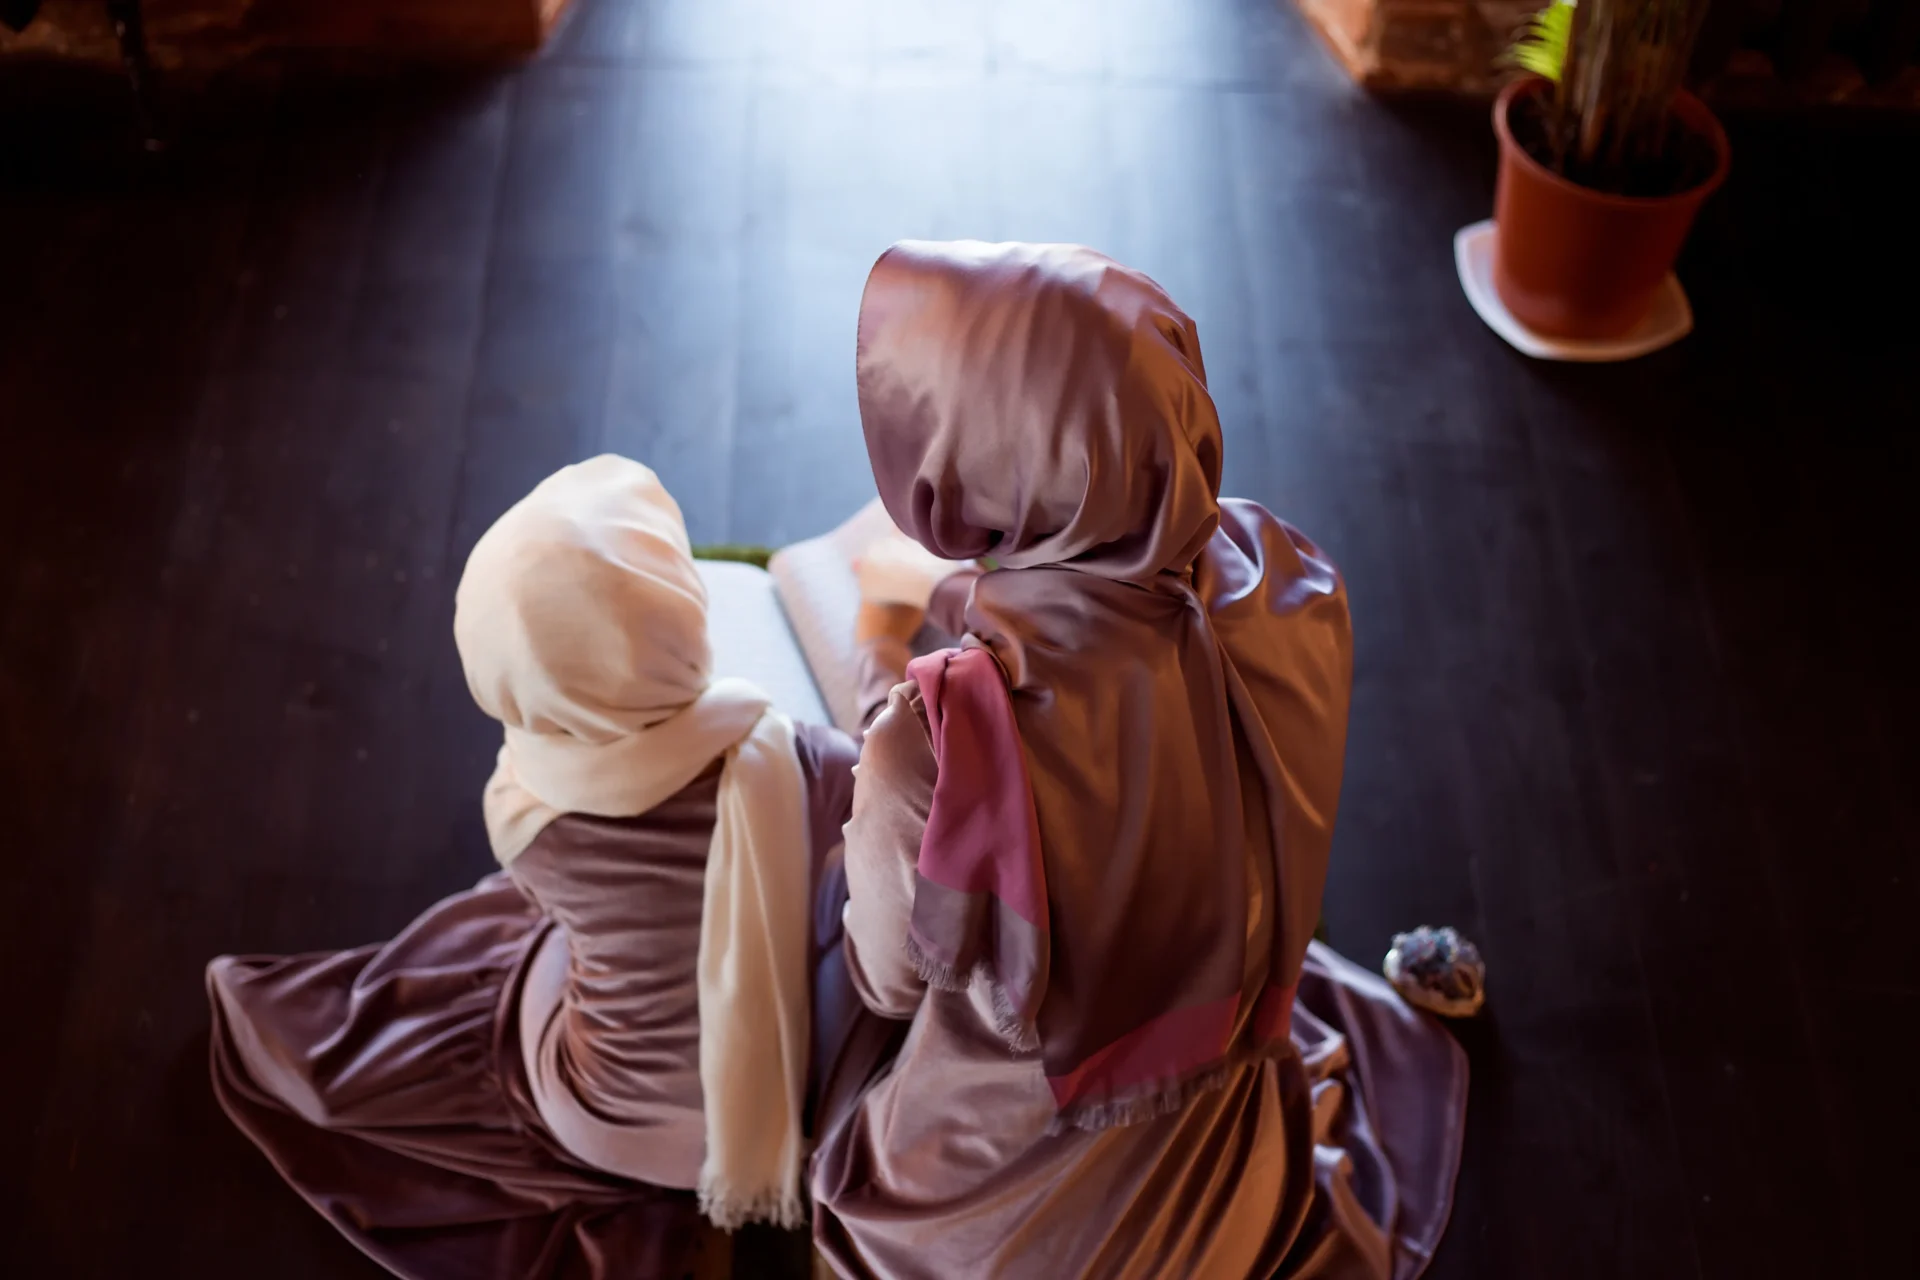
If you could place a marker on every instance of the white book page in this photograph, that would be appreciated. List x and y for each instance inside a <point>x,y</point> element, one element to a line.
<point>821,595</point>
<point>820,590</point>
<point>751,639</point>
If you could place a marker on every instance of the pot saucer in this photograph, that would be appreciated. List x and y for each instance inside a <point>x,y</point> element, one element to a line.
<point>1670,320</point>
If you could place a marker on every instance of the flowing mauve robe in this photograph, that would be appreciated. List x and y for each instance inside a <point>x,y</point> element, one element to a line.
<point>510,1088</point>
<point>1334,1161</point>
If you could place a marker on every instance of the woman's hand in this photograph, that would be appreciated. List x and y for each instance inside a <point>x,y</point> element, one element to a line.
<point>880,620</point>
<point>897,576</point>
<point>894,569</point>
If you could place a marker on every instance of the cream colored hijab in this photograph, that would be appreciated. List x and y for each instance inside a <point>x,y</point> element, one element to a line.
<point>582,624</point>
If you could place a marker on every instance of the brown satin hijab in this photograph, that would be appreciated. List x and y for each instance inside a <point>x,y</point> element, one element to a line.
<point>1178,669</point>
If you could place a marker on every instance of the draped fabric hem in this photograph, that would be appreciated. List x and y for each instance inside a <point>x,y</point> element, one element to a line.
<point>1415,1255</point>
<point>418,1139</point>
<point>243,1098</point>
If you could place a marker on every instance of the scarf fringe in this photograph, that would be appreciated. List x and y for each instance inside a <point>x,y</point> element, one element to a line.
<point>1117,1113</point>
<point>1021,1036</point>
<point>934,973</point>
<point>1091,1117</point>
<point>727,1209</point>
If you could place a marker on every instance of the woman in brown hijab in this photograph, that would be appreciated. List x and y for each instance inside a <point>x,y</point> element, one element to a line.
<point>538,1075</point>
<point>1088,847</point>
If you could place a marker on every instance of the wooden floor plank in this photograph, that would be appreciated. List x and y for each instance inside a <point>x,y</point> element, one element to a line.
<point>1631,703</point>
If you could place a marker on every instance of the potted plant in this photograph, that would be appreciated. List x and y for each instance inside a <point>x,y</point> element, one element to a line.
<point>1604,160</point>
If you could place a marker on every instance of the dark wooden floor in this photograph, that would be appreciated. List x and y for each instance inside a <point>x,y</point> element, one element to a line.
<point>1635,703</point>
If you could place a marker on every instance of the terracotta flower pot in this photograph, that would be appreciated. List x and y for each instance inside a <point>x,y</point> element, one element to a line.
<point>1571,262</point>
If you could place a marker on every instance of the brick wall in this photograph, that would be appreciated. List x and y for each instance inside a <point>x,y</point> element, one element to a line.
<point>211,33</point>
<point>1420,44</point>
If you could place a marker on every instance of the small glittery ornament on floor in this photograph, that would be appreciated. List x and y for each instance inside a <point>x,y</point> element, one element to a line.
<point>1437,970</point>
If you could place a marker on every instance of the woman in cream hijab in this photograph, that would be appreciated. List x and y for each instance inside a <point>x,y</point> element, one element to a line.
<point>544,1076</point>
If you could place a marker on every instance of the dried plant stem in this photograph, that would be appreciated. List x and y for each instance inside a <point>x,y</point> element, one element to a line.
<point>1614,74</point>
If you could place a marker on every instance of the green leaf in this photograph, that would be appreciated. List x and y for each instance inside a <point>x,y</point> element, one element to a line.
<point>752,555</point>
<point>1541,46</point>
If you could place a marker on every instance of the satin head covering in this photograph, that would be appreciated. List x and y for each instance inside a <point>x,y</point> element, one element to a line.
<point>582,623</point>
<point>1072,379</point>
<point>1136,795</point>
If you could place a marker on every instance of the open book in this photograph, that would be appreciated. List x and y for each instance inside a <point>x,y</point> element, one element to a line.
<point>790,628</point>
